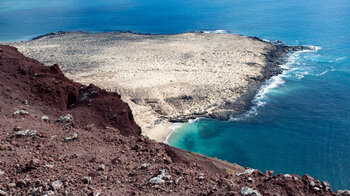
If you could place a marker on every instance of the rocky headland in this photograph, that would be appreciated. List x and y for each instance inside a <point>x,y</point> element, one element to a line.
<point>165,78</point>
<point>59,137</point>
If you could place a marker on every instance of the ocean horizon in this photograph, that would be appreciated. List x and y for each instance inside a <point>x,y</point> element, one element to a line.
<point>299,121</point>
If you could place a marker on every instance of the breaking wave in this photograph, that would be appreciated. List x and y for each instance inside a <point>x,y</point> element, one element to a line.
<point>215,31</point>
<point>173,128</point>
<point>323,73</point>
<point>289,70</point>
<point>176,126</point>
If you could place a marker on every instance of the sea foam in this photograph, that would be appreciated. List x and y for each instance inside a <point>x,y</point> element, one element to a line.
<point>219,31</point>
<point>176,126</point>
<point>289,70</point>
<point>173,128</point>
<point>323,73</point>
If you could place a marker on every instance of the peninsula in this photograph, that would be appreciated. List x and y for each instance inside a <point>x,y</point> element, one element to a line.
<point>165,78</point>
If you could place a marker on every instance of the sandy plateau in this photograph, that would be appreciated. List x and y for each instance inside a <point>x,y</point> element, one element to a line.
<point>164,78</point>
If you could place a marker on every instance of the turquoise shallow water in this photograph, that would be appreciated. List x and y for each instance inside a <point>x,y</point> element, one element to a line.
<point>299,123</point>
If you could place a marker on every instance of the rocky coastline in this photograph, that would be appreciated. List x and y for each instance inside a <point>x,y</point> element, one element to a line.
<point>274,58</point>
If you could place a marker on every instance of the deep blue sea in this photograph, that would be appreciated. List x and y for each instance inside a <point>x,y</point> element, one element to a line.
<point>300,120</point>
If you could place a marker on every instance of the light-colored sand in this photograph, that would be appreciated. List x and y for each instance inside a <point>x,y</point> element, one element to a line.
<point>160,76</point>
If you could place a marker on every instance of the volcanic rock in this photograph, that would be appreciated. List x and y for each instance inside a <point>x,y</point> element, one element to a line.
<point>45,118</point>
<point>57,185</point>
<point>249,191</point>
<point>73,137</point>
<point>20,112</point>
<point>27,132</point>
<point>86,179</point>
<point>65,118</point>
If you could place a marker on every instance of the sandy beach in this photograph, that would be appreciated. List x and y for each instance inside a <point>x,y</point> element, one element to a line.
<point>164,78</point>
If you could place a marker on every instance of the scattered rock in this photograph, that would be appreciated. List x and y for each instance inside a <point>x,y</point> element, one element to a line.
<point>49,193</point>
<point>20,112</point>
<point>95,193</point>
<point>49,165</point>
<point>101,167</point>
<point>17,128</point>
<point>287,175</point>
<point>35,75</point>
<point>312,183</point>
<point>160,178</point>
<point>104,178</point>
<point>86,179</point>
<point>22,71</point>
<point>343,192</point>
<point>73,137</point>
<point>247,171</point>
<point>178,179</point>
<point>89,127</point>
<point>156,180</point>
<point>249,191</point>
<point>201,176</point>
<point>65,118</point>
<point>269,172</point>
<point>27,132</point>
<point>25,102</point>
<point>213,188</point>
<point>57,185</point>
<point>5,147</point>
<point>11,185</point>
<point>1,172</point>
<point>326,185</point>
<point>33,164</point>
<point>37,191</point>
<point>3,193</point>
<point>21,183</point>
<point>250,179</point>
<point>45,118</point>
<point>144,166</point>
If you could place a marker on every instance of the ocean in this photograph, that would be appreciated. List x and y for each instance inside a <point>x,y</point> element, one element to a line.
<point>299,122</point>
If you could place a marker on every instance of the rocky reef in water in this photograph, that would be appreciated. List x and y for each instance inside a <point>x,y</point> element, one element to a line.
<point>58,137</point>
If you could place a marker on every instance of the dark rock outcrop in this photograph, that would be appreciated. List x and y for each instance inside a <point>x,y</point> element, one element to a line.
<point>47,87</point>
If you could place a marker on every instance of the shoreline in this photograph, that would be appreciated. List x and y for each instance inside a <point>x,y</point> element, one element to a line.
<point>246,113</point>
<point>170,78</point>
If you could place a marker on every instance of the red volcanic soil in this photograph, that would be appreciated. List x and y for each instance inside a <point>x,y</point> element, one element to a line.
<point>98,148</point>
